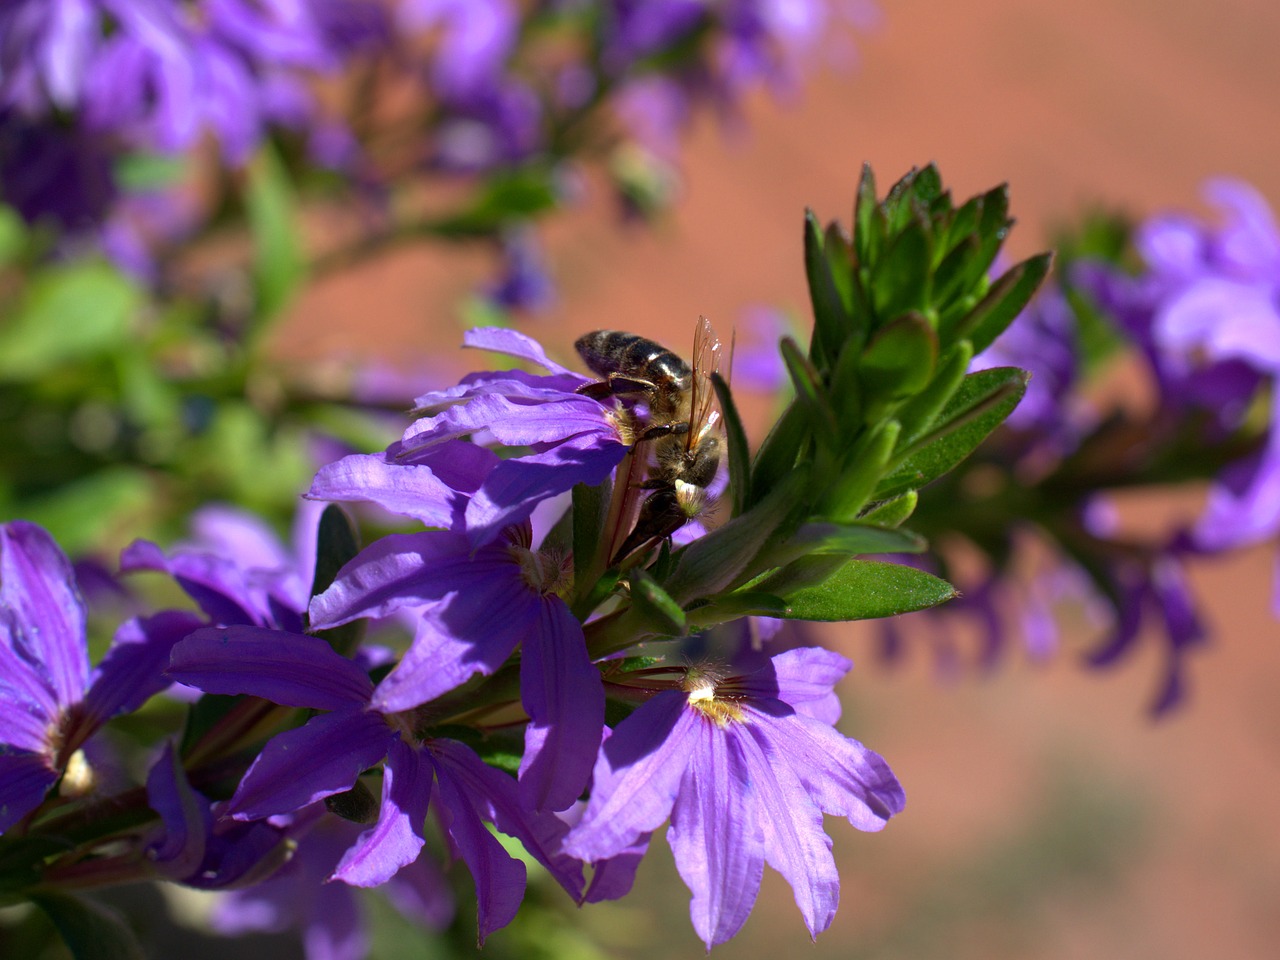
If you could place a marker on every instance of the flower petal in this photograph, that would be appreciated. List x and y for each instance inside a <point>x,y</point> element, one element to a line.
<point>514,344</point>
<point>396,839</point>
<point>48,625</point>
<point>717,843</point>
<point>25,778</point>
<point>495,796</point>
<point>805,679</point>
<point>636,778</point>
<point>408,490</point>
<point>216,584</point>
<point>316,760</point>
<point>287,668</point>
<point>794,843</point>
<point>133,669</point>
<point>499,878</point>
<point>564,696</point>
<point>841,775</point>
<point>184,813</point>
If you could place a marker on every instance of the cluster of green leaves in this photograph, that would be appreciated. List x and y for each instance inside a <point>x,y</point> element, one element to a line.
<point>121,411</point>
<point>883,405</point>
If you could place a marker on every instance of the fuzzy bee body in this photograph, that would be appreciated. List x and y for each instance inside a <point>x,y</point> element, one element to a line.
<point>685,451</point>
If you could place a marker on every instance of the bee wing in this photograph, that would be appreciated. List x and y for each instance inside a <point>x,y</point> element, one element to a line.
<point>707,350</point>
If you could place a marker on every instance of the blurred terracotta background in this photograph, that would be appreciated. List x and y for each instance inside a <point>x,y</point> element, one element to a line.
<point>1046,816</point>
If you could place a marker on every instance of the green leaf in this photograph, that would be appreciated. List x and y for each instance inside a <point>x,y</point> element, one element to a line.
<point>776,457</point>
<point>278,263</point>
<point>856,537</point>
<point>893,512</point>
<point>735,606</point>
<point>90,930</point>
<point>919,413</point>
<point>809,391</point>
<point>868,223</point>
<point>519,194</point>
<point>68,314</point>
<point>867,590</point>
<point>739,453</point>
<point>709,564</point>
<point>831,322</point>
<point>336,544</point>
<point>659,613</point>
<point>863,466</point>
<point>900,278</point>
<point>590,505</point>
<point>980,405</point>
<point>899,361</point>
<point>1004,301</point>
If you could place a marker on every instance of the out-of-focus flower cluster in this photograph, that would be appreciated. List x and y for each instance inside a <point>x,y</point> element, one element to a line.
<point>1196,314</point>
<point>567,542</point>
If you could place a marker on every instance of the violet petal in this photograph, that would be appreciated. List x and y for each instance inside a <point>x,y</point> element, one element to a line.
<point>396,839</point>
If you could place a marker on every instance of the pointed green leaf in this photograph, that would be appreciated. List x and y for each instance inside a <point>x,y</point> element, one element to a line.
<point>660,614</point>
<point>866,590</point>
<point>863,467</point>
<point>739,453</point>
<point>831,324</point>
<point>980,405</point>
<point>735,606</point>
<point>809,391</point>
<point>919,413</point>
<point>867,219</point>
<point>777,455</point>
<point>709,564</point>
<point>1004,301</point>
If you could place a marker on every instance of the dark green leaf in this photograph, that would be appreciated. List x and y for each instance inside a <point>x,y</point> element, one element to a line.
<point>831,323</point>
<point>709,564</point>
<point>734,606</point>
<point>90,930</point>
<point>868,589</point>
<point>867,219</point>
<point>777,455</point>
<point>739,452</point>
<point>590,505</point>
<point>658,612</point>
<point>857,537</point>
<point>900,278</point>
<point>336,544</point>
<point>899,361</point>
<point>809,391</point>
<point>981,403</point>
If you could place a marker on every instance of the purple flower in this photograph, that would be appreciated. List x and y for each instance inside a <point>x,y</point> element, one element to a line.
<point>326,755</point>
<point>236,570</point>
<point>745,765</point>
<point>433,477</point>
<point>56,173</point>
<point>50,701</point>
<point>524,284</point>
<point>477,607</point>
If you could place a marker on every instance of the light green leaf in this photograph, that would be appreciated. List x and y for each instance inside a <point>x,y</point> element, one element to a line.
<point>866,590</point>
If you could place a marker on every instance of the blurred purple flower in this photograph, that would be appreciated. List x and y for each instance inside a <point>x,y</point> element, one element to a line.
<point>329,914</point>
<point>744,763</point>
<point>524,283</point>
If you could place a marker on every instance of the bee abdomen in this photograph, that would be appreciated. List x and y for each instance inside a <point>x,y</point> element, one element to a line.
<point>607,352</point>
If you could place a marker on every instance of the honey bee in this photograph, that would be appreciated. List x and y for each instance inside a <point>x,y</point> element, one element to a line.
<point>678,425</point>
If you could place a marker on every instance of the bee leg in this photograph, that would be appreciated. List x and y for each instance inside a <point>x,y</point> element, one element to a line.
<point>613,385</point>
<point>665,430</point>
